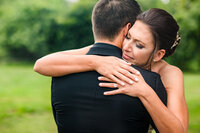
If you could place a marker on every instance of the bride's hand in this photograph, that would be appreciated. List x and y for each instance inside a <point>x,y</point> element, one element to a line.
<point>137,89</point>
<point>115,69</point>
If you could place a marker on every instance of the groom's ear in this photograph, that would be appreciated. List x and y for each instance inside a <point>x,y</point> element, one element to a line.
<point>126,28</point>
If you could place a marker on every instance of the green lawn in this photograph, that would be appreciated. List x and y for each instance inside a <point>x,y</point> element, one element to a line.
<point>192,91</point>
<point>25,101</point>
<point>25,105</point>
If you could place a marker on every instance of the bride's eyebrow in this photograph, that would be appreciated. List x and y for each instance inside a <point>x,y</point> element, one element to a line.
<point>129,35</point>
<point>140,41</point>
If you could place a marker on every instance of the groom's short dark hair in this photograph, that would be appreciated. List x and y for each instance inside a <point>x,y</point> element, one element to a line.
<point>110,16</point>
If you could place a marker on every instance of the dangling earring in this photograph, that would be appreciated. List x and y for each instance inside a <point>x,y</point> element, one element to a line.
<point>154,60</point>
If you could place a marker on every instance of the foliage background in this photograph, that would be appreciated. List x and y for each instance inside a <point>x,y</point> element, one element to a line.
<point>30,29</point>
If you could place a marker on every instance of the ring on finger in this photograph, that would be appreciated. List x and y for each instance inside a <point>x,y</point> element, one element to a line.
<point>115,85</point>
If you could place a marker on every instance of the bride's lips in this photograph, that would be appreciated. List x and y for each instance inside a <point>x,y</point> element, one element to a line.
<point>126,57</point>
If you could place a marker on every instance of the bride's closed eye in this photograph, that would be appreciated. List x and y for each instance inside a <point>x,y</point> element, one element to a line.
<point>139,46</point>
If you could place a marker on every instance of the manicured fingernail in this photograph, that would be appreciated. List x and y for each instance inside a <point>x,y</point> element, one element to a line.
<point>100,84</point>
<point>136,79</point>
<point>137,73</point>
<point>122,83</point>
<point>105,93</point>
<point>99,78</point>
<point>130,82</point>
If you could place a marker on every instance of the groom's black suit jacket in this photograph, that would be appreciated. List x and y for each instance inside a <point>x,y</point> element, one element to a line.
<point>79,105</point>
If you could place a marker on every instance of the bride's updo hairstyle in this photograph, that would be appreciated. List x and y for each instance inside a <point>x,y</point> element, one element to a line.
<point>164,29</point>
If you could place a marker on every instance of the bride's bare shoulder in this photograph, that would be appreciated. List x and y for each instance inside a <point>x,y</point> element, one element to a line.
<point>170,75</point>
<point>169,69</point>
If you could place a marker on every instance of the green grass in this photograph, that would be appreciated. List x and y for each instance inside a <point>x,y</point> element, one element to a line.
<point>25,105</point>
<point>192,91</point>
<point>25,101</point>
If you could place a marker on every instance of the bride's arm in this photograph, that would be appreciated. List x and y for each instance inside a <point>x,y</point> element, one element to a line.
<point>58,64</point>
<point>74,61</point>
<point>170,119</point>
<point>174,117</point>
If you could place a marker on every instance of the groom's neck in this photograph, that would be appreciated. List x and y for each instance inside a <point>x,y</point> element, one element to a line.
<point>117,42</point>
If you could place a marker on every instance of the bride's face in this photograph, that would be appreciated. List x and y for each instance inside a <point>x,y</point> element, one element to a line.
<point>138,45</point>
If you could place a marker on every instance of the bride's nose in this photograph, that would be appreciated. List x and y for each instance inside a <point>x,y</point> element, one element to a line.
<point>127,47</point>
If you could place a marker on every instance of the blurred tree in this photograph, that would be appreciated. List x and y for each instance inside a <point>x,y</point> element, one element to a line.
<point>25,27</point>
<point>76,30</point>
<point>188,17</point>
<point>31,29</point>
<point>34,28</point>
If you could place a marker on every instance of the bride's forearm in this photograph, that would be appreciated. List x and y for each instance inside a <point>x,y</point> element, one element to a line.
<point>60,64</point>
<point>164,119</point>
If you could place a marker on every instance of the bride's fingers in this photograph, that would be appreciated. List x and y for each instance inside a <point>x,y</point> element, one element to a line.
<point>129,76</point>
<point>134,77</point>
<point>123,76</point>
<point>130,69</point>
<point>115,79</point>
<point>108,85</point>
<point>104,79</point>
<point>114,92</point>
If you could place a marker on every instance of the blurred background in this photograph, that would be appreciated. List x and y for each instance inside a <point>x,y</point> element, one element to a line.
<point>30,29</point>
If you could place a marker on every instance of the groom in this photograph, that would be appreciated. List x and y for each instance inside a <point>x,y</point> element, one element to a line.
<point>79,105</point>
